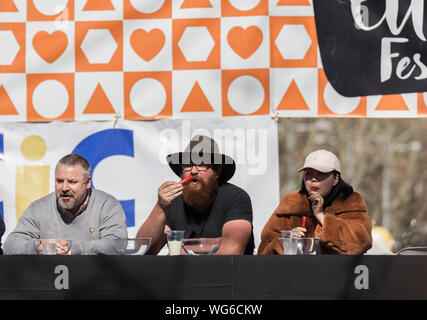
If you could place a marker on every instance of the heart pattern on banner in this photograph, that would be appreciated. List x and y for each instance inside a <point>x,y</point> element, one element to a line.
<point>50,46</point>
<point>147,44</point>
<point>156,59</point>
<point>245,42</point>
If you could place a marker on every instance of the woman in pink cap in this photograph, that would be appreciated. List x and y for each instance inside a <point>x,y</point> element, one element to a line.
<point>325,207</point>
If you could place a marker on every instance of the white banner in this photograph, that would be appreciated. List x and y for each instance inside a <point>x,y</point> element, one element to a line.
<point>128,160</point>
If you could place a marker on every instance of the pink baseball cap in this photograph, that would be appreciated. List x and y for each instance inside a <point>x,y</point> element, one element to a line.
<point>323,161</point>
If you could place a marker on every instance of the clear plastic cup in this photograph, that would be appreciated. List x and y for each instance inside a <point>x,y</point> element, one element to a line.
<point>47,243</point>
<point>289,245</point>
<point>175,241</point>
<point>289,234</point>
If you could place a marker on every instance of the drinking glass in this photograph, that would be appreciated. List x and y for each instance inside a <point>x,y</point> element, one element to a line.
<point>175,241</point>
<point>48,241</point>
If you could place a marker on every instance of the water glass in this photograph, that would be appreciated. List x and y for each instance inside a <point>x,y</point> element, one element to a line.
<point>289,245</point>
<point>48,241</point>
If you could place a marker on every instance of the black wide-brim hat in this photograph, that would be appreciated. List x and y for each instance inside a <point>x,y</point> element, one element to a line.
<point>202,150</point>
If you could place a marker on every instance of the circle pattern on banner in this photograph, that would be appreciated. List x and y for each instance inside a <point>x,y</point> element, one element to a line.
<point>147,6</point>
<point>244,5</point>
<point>50,99</point>
<point>338,103</point>
<point>246,94</point>
<point>33,148</point>
<point>148,97</point>
<point>50,8</point>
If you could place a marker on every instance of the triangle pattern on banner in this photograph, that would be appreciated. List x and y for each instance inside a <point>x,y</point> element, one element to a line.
<point>6,104</point>
<point>98,5</point>
<point>8,6</point>
<point>99,103</point>
<point>393,102</point>
<point>293,3</point>
<point>189,4</point>
<point>197,101</point>
<point>421,105</point>
<point>293,99</point>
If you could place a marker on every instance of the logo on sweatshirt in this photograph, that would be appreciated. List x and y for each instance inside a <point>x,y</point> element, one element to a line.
<point>91,229</point>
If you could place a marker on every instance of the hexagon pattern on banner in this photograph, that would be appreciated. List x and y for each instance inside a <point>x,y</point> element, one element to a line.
<point>141,60</point>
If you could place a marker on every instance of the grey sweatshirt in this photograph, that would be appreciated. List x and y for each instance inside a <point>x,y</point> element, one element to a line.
<point>91,231</point>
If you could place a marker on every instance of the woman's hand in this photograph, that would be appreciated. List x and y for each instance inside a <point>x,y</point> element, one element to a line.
<point>317,205</point>
<point>299,232</point>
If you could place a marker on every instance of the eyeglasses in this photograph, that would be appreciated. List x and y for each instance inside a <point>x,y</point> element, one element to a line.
<point>200,167</point>
<point>319,176</point>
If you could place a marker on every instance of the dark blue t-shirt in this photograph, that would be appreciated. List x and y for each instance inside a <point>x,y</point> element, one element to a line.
<point>231,203</point>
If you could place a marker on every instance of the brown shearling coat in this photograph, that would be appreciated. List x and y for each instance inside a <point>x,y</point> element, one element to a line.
<point>346,228</point>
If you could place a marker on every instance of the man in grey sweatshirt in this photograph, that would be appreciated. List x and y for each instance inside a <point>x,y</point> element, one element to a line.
<point>91,218</point>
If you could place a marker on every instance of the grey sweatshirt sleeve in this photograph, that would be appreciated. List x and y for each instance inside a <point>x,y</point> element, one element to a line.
<point>21,240</point>
<point>112,225</point>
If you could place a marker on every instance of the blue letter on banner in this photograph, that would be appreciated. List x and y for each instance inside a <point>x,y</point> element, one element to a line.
<point>104,144</point>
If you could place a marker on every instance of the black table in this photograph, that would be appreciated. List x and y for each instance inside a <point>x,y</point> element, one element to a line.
<point>213,277</point>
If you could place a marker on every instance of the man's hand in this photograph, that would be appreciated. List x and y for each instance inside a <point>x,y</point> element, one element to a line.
<point>62,247</point>
<point>168,191</point>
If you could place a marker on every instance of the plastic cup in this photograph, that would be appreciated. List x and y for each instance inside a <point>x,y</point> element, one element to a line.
<point>175,241</point>
<point>47,245</point>
<point>289,234</point>
<point>289,246</point>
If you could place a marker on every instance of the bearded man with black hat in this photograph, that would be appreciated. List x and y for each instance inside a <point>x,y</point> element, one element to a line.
<point>207,206</point>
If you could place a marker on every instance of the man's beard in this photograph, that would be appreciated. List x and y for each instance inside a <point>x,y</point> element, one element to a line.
<point>68,205</point>
<point>203,196</point>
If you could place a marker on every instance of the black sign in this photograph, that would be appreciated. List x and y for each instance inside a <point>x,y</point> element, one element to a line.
<point>373,47</point>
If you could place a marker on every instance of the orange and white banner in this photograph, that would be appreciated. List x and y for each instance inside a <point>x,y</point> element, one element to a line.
<point>73,60</point>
